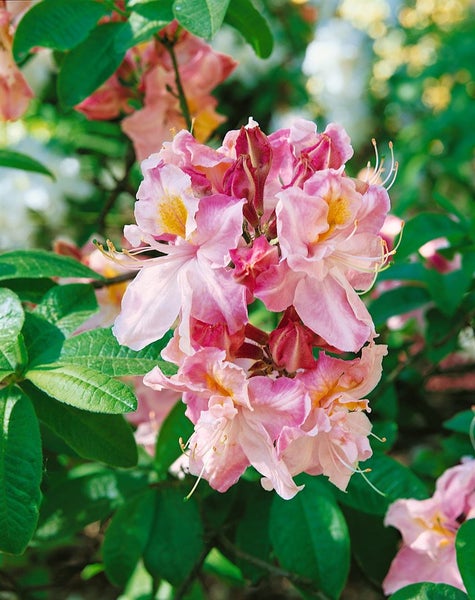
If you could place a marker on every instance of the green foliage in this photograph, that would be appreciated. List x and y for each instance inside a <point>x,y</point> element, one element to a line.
<point>465,547</point>
<point>202,17</point>
<point>243,16</point>
<point>310,537</point>
<point>16,160</point>
<point>429,591</point>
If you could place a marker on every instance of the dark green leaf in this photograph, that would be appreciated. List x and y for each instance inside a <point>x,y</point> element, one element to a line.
<point>56,24</point>
<point>43,340</point>
<point>372,544</point>
<point>90,64</point>
<point>397,301</point>
<point>68,306</point>
<point>83,388</point>
<point>448,289</point>
<point>243,16</point>
<point>71,504</point>
<point>40,263</point>
<point>15,160</point>
<point>127,536</point>
<point>310,537</point>
<point>99,349</point>
<point>13,356</point>
<point>425,227</point>
<point>413,271</point>
<point>174,428</point>
<point>104,438</point>
<point>465,548</point>
<point>29,290</point>
<point>390,477</point>
<point>20,470</point>
<point>429,591</point>
<point>202,17</point>
<point>176,541</point>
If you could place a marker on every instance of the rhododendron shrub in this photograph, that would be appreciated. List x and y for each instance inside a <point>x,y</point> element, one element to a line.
<point>274,218</point>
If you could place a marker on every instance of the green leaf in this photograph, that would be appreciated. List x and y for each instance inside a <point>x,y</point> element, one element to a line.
<point>372,544</point>
<point>310,537</point>
<point>448,289</point>
<point>43,340</point>
<point>127,536</point>
<point>176,541</point>
<point>29,290</point>
<point>16,160</point>
<point>13,356</point>
<point>425,227</point>
<point>105,438</point>
<point>68,306</point>
<point>175,427</point>
<point>465,548</point>
<point>99,349</point>
<point>90,64</point>
<point>20,470</point>
<point>56,24</point>
<point>12,315</point>
<point>202,17</point>
<point>243,16</point>
<point>145,20</point>
<point>83,388</point>
<point>397,301</point>
<point>40,263</point>
<point>462,422</point>
<point>429,591</point>
<point>71,504</point>
<point>390,477</point>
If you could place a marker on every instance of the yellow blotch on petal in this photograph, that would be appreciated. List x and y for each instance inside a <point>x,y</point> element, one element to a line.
<point>172,215</point>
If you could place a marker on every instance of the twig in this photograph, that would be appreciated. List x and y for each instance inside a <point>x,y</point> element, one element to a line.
<point>185,586</point>
<point>98,284</point>
<point>185,109</point>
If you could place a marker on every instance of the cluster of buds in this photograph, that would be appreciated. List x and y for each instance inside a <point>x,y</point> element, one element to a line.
<point>272,220</point>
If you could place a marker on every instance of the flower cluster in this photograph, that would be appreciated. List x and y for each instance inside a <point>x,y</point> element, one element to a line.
<point>428,529</point>
<point>144,89</point>
<point>272,220</point>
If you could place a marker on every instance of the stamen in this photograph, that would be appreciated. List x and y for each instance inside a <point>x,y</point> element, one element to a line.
<point>383,440</point>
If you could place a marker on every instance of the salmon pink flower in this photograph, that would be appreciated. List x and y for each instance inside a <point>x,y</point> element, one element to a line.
<point>237,420</point>
<point>428,529</point>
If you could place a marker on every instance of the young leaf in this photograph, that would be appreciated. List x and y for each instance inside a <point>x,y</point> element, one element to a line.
<point>310,537</point>
<point>465,548</point>
<point>16,160</point>
<point>176,540</point>
<point>175,427</point>
<point>13,356</point>
<point>41,263</point>
<point>43,340</point>
<point>99,349</point>
<point>20,470</point>
<point>83,388</point>
<point>429,591</point>
<point>127,536</point>
<point>461,422</point>
<point>90,64</point>
<point>202,17</point>
<point>243,16</point>
<point>56,24</point>
<point>391,478</point>
<point>68,306</point>
<point>105,438</point>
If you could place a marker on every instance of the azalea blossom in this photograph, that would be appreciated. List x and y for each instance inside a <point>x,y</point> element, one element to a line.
<point>428,529</point>
<point>273,218</point>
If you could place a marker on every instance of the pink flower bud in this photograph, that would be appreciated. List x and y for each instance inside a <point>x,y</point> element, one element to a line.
<point>291,343</point>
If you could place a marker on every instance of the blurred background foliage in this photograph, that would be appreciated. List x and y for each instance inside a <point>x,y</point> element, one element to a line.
<point>390,69</point>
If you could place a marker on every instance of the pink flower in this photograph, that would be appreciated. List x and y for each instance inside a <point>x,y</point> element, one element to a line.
<point>15,93</point>
<point>428,529</point>
<point>333,439</point>
<point>190,279</point>
<point>236,419</point>
<point>329,245</point>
